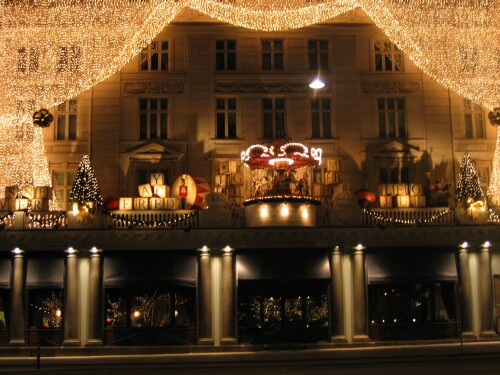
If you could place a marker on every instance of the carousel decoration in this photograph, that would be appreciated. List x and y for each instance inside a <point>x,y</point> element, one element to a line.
<point>283,170</point>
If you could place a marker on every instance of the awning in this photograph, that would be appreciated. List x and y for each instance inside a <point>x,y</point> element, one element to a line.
<point>5,272</point>
<point>46,271</point>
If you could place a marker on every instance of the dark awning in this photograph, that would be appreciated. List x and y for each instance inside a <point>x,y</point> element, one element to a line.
<point>45,272</point>
<point>5,272</point>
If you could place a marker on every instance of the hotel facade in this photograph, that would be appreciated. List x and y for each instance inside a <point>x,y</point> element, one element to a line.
<point>333,267</point>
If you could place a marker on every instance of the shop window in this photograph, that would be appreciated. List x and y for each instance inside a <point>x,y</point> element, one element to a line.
<point>272,54</point>
<point>272,311</point>
<point>391,117</point>
<point>412,310</point>
<point>321,117</point>
<point>4,316</point>
<point>153,118</point>
<point>226,118</point>
<point>161,307</point>
<point>273,111</point>
<point>473,120</point>
<point>388,57</point>
<point>45,308</point>
<point>225,54</point>
<point>318,55</point>
<point>155,56</point>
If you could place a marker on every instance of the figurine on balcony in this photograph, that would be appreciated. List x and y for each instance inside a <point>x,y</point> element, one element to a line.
<point>438,193</point>
<point>183,193</point>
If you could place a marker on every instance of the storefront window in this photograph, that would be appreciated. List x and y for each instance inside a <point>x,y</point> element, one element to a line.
<point>45,308</point>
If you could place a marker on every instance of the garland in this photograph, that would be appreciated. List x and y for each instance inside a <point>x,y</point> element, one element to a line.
<point>131,224</point>
<point>390,220</point>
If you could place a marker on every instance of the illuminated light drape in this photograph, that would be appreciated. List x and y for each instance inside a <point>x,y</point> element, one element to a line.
<point>53,50</point>
<point>23,160</point>
<point>494,187</point>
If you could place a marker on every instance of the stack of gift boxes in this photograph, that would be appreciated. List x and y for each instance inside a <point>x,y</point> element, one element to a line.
<point>229,181</point>
<point>401,195</point>
<point>35,198</point>
<point>152,196</point>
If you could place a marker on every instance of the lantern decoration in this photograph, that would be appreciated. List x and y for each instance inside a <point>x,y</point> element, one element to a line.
<point>42,118</point>
<point>365,197</point>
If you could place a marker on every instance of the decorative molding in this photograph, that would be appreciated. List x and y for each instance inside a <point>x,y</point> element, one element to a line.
<point>261,87</point>
<point>390,87</point>
<point>154,87</point>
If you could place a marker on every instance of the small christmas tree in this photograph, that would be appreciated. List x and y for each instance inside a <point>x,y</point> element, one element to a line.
<point>85,189</point>
<point>468,189</point>
<point>494,188</point>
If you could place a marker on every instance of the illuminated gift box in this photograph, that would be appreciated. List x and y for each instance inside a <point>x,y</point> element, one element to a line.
<point>21,204</point>
<point>11,192</point>
<point>236,178</point>
<point>385,201</point>
<point>403,200</point>
<point>219,189</point>
<point>401,189</point>
<point>42,192</point>
<point>157,179</point>
<point>161,191</point>
<point>333,165</point>
<point>417,200</point>
<point>172,203</point>
<point>386,189</point>
<point>5,204</point>
<point>141,203</point>
<point>28,192</point>
<point>156,203</point>
<point>227,167</point>
<point>494,200</point>
<point>126,204</point>
<point>416,189</point>
<point>145,191</point>
<point>221,180</point>
<point>39,204</point>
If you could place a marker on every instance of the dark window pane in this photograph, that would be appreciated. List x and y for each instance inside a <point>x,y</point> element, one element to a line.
<point>143,104</point>
<point>325,103</point>
<point>164,45</point>
<point>324,61</point>
<point>221,125</point>
<point>266,45</point>
<point>267,103</point>
<point>315,125</point>
<point>164,61</point>
<point>392,124</point>
<point>72,127</point>
<point>163,126</point>
<point>61,127</point>
<point>401,103</point>
<point>312,46</point>
<point>405,176</point>
<point>381,124</point>
<point>153,104</point>
<point>380,104</point>
<point>378,62</point>
<point>163,104</point>
<point>153,126</point>
<point>390,104</point>
<point>231,44</point>
<point>323,45</point>
<point>388,63</point>
<point>468,126</point>
<point>278,45</point>
<point>327,132</point>
<point>143,176</point>
<point>268,125</point>
<point>479,126</point>
<point>219,61</point>
<point>313,64</point>
<point>221,103</point>
<point>401,125</point>
<point>280,125</point>
<point>154,61</point>
<point>384,177</point>
<point>280,103</point>
<point>219,44</point>
<point>266,61</point>
<point>231,125</point>
<point>315,103</point>
<point>231,103</point>
<point>143,126</point>
<point>231,61</point>
<point>278,61</point>
<point>394,175</point>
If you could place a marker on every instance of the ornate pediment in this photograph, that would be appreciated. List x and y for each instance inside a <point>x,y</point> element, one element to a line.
<point>153,152</point>
<point>390,87</point>
<point>154,87</point>
<point>397,150</point>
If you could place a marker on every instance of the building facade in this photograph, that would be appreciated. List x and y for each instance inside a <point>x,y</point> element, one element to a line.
<point>416,266</point>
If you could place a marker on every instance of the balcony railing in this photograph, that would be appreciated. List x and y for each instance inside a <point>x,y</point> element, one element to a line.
<point>231,218</point>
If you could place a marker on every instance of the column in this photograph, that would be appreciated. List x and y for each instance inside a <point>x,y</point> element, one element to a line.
<point>465,292</point>
<point>71,309</point>
<point>487,323</point>
<point>337,318</point>
<point>204,297</point>
<point>18,286</point>
<point>95,298</point>
<point>228,292</point>
<point>360,332</point>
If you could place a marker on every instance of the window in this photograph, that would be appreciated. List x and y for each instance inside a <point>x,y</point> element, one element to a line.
<point>154,57</point>
<point>153,118</point>
<point>144,175</point>
<point>27,60</point>
<point>4,309</point>
<point>45,308</point>
<point>388,57</point>
<point>391,117</point>
<point>473,119</point>
<point>318,55</point>
<point>62,182</point>
<point>321,117</point>
<point>225,55</point>
<point>468,60</point>
<point>272,54</point>
<point>150,307</point>
<point>274,117</point>
<point>226,118</point>
<point>394,175</point>
<point>66,120</point>
<point>70,59</point>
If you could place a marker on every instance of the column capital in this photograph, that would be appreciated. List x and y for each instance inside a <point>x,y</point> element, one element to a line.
<point>204,250</point>
<point>359,248</point>
<point>227,251</point>
<point>70,252</point>
<point>95,252</point>
<point>17,252</point>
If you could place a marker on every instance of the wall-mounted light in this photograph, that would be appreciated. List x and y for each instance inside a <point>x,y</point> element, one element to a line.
<point>317,83</point>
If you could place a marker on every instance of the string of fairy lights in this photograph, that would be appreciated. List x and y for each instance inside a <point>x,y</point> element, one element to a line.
<point>124,221</point>
<point>418,221</point>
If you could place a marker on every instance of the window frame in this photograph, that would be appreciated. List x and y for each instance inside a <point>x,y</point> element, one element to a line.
<point>64,111</point>
<point>321,112</point>
<point>386,57</point>
<point>274,112</point>
<point>476,113</point>
<point>273,65</point>
<point>386,112</point>
<point>226,52</point>
<point>147,53</point>
<point>317,63</point>
<point>226,113</point>
<point>145,129</point>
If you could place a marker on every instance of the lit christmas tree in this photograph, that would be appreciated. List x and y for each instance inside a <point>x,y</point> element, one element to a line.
<point>494,187</point>
<point>468,190</point>
<point>85,194</point>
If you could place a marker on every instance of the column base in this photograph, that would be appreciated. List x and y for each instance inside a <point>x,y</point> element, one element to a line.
<point>488,334</point>
<point>468,335</point>
<point>205,342</point>
<point>339,339</point>
<point>94,342</point>
<point>17,342</point>
<point>361,338</point>
<point>71,342</point>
